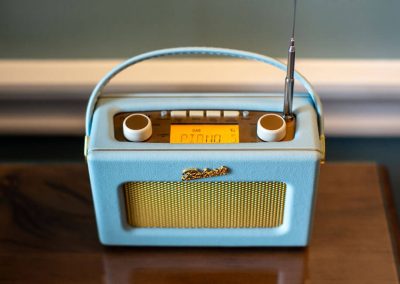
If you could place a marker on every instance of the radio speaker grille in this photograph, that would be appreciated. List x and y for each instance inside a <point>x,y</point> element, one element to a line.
<point>205,204</point>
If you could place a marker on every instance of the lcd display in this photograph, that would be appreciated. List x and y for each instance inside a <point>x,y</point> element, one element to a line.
<point>204,133</point>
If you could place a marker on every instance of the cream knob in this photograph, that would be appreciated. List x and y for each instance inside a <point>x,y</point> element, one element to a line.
<point>271,127</point>
<point>137,127</point>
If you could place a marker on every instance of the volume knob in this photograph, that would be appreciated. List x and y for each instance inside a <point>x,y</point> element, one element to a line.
<point>137,127</point>
<point>271,127</point>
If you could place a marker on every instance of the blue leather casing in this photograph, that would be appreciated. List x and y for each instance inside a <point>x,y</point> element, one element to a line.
<point>112,163</point>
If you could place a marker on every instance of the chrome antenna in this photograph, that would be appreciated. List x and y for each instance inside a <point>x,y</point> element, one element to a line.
<point>289,80</point>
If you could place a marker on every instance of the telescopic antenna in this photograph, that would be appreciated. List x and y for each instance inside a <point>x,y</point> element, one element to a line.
<point>289,80</point>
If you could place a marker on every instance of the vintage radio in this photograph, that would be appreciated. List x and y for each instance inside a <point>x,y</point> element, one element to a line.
<point>204,169</point>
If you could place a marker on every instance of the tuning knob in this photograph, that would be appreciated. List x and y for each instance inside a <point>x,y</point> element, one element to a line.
<point>137,127</point>
<point>271,127</point>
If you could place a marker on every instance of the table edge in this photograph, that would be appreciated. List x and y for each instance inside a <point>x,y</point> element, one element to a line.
<point>391,214</point>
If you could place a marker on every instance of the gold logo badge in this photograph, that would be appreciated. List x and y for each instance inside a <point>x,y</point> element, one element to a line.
<point>190,174</point>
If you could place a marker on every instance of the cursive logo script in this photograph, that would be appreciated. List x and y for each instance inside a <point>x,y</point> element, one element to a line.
<point>190,174</point>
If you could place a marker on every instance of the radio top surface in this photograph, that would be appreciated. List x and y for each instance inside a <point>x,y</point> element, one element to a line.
<point>202,121</point>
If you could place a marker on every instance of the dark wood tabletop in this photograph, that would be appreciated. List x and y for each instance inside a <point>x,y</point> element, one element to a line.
<point>48,235</point>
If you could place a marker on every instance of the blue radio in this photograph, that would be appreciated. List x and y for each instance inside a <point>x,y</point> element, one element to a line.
<point>204,169</point>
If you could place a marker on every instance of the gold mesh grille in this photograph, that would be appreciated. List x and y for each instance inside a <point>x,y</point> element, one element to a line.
<point>205,204</point>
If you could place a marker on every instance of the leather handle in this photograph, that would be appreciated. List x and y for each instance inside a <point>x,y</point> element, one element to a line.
<point>209,51</point>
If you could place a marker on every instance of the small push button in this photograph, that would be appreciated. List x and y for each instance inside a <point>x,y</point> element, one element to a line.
<point>178,113</point>
<point>196,113</point>
<point>231,113</point>
<point>163,113</point>
<point>137,127</point>
<point>213,113</point>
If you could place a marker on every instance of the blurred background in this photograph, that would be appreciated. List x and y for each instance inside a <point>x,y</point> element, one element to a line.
<point>53,52</point>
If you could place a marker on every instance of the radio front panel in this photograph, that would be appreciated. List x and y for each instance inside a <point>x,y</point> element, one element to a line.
<point>202,126</point>
<point>141,199</point>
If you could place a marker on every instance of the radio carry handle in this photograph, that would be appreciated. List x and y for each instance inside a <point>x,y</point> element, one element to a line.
<point>209,51</point>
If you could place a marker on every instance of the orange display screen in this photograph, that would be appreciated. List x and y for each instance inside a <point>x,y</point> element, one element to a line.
<point>204,133</point>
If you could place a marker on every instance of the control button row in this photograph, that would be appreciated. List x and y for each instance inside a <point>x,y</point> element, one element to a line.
<point>209,113</point>
<point>137,127</point>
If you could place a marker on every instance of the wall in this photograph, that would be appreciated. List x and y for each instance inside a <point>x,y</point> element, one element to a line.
<point>117,29</point>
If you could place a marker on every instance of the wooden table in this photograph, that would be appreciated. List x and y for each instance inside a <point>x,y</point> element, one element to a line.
<point>48,235</point>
